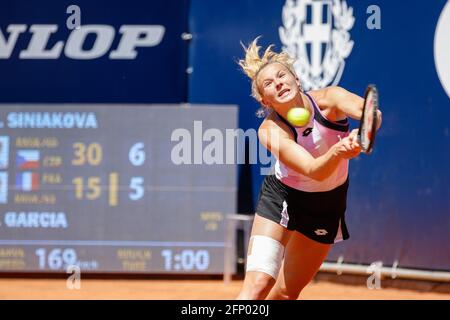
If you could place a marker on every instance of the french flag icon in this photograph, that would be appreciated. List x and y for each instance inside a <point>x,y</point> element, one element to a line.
<point>27,181</point>
<point>27,159</point>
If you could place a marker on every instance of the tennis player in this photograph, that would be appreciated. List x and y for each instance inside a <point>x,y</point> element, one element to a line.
<point>301,208</point>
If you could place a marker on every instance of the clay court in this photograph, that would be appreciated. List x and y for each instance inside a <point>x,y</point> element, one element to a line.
<point>92,289</point>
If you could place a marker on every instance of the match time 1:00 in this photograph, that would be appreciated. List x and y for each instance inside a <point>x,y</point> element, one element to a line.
<point>185,260</point>
<point>90,188</point>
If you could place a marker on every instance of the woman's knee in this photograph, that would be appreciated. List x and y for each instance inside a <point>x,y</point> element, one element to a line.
<point>260,286</point>
<point>283,293</point>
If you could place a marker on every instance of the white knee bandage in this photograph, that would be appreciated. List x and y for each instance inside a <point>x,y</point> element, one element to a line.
<point>266,255</point>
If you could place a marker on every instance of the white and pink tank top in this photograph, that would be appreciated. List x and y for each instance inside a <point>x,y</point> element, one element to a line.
<point>316,137</point>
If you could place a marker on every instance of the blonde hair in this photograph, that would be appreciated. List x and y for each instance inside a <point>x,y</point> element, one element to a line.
<point>253,63</point>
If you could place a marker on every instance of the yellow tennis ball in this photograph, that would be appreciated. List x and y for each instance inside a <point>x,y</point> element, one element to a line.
<point>298,116</point>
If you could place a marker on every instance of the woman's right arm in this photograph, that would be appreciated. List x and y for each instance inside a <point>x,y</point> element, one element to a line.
<point>279,140</point>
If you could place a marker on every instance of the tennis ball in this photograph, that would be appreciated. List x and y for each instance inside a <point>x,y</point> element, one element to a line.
<point>298,116</point>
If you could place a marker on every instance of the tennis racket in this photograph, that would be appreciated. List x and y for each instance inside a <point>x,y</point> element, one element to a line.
<point>368,124</point>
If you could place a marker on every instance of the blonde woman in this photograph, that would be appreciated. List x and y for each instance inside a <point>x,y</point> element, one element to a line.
<point>301,208</point>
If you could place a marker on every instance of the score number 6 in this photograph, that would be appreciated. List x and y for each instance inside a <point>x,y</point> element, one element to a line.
<point>136,155</point>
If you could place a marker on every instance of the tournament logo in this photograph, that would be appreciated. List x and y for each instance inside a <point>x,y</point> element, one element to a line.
<point>442,48</point>
<point>316,34</point>
<point>132,37</point>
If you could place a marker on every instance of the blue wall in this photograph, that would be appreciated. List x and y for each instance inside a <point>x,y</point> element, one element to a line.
<point>156,74</point>
<point>399,200</point>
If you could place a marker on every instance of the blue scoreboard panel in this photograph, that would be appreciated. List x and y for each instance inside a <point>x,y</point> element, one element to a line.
<point>114,188</point>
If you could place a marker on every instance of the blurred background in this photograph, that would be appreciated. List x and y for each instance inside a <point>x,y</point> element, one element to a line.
<point>117,152</point>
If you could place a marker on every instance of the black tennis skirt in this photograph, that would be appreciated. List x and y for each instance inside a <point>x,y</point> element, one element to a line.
<point>319,216</point>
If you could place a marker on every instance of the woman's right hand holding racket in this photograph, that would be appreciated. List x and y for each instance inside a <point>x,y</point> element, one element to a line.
<point>349,147</point>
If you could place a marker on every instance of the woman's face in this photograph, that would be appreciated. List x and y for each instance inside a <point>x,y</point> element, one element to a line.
<point>277,85</point>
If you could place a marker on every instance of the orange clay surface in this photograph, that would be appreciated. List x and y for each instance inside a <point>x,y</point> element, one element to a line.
<point>188,289</point>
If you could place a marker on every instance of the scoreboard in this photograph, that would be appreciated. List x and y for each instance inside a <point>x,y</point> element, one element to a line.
<point>114,188</point>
